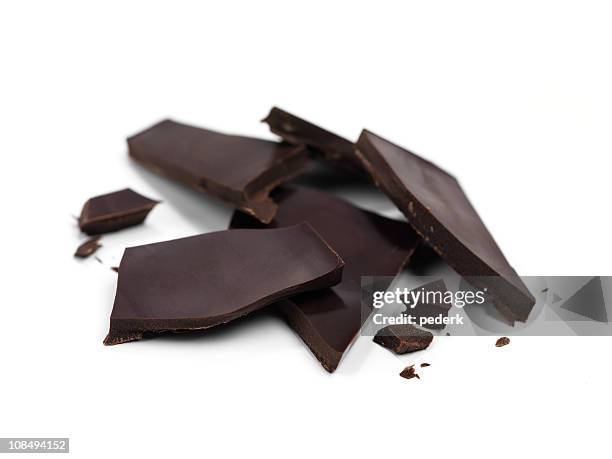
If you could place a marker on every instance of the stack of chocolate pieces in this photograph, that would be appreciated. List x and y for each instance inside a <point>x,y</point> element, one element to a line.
<point>300,250</point>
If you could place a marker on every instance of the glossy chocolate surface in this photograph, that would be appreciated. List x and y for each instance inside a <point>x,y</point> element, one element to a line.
<point>238,170</point>
<point>435,205</point>
<point>329,320</point>
<point>202,281</point>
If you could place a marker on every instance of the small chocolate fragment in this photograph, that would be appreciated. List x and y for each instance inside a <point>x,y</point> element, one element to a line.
<point>403,338</point>
<point>437,208</point>
<point>429,312</point>
<point>425,364</point>
<point>114,211</point>
<point>202,281</point>
<point>238,170</point>
<point>88,247</point>
<point>115,268</point>
<point>338,150</point>
<point>371,245</point>
<point>503,341</point>
<point>409,373</point>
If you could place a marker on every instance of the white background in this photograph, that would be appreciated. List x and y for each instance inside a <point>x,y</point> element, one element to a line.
<point>512,97</point>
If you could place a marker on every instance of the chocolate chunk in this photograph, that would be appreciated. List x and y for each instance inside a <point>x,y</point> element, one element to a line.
<point>425,364</point>
<point>202,281</point>
<point>114,211</point>
<point>238,170</point>
<point>504,341</point>
<point>338,150</point>
<point>88,247</point>
<point>437,208</point>
<point>409,373</point>
<point>403,338</point>
<point>329,320</point>
<point>429,312</point>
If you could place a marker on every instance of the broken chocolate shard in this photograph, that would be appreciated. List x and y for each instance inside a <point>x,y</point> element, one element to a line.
<point>430,309</point>
<point>503,341</point>
<point>404,338</point>
<point>238,170</point>
<point>88,247</point>
<point>202,281</point>
<point>338,150</point>
<point>409,373</point>
<point>371,245</point>
<point>114,211</point>
<point>438,209</point>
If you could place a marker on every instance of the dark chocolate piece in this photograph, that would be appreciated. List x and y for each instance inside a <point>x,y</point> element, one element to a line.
<point>338,150</point>
<point>435,205</point>
<point>238,170</point>
<point>428,312</point>
<point>114,211</point>
<point>425,364</point>
<point>115,268</point>
<point>88,247</point>
<point>202,281</point>
<point>409,373</point>
<point>371,245</point>
<point>404,338</point>
<point>503,341</point>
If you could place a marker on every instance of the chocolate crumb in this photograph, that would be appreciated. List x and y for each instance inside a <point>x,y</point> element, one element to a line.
<point>545,290</point>
<point>409,373</point>
<point>425,364</point>
<point>87,248</point>
<point>503,341</point>
<point>115,268</point>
